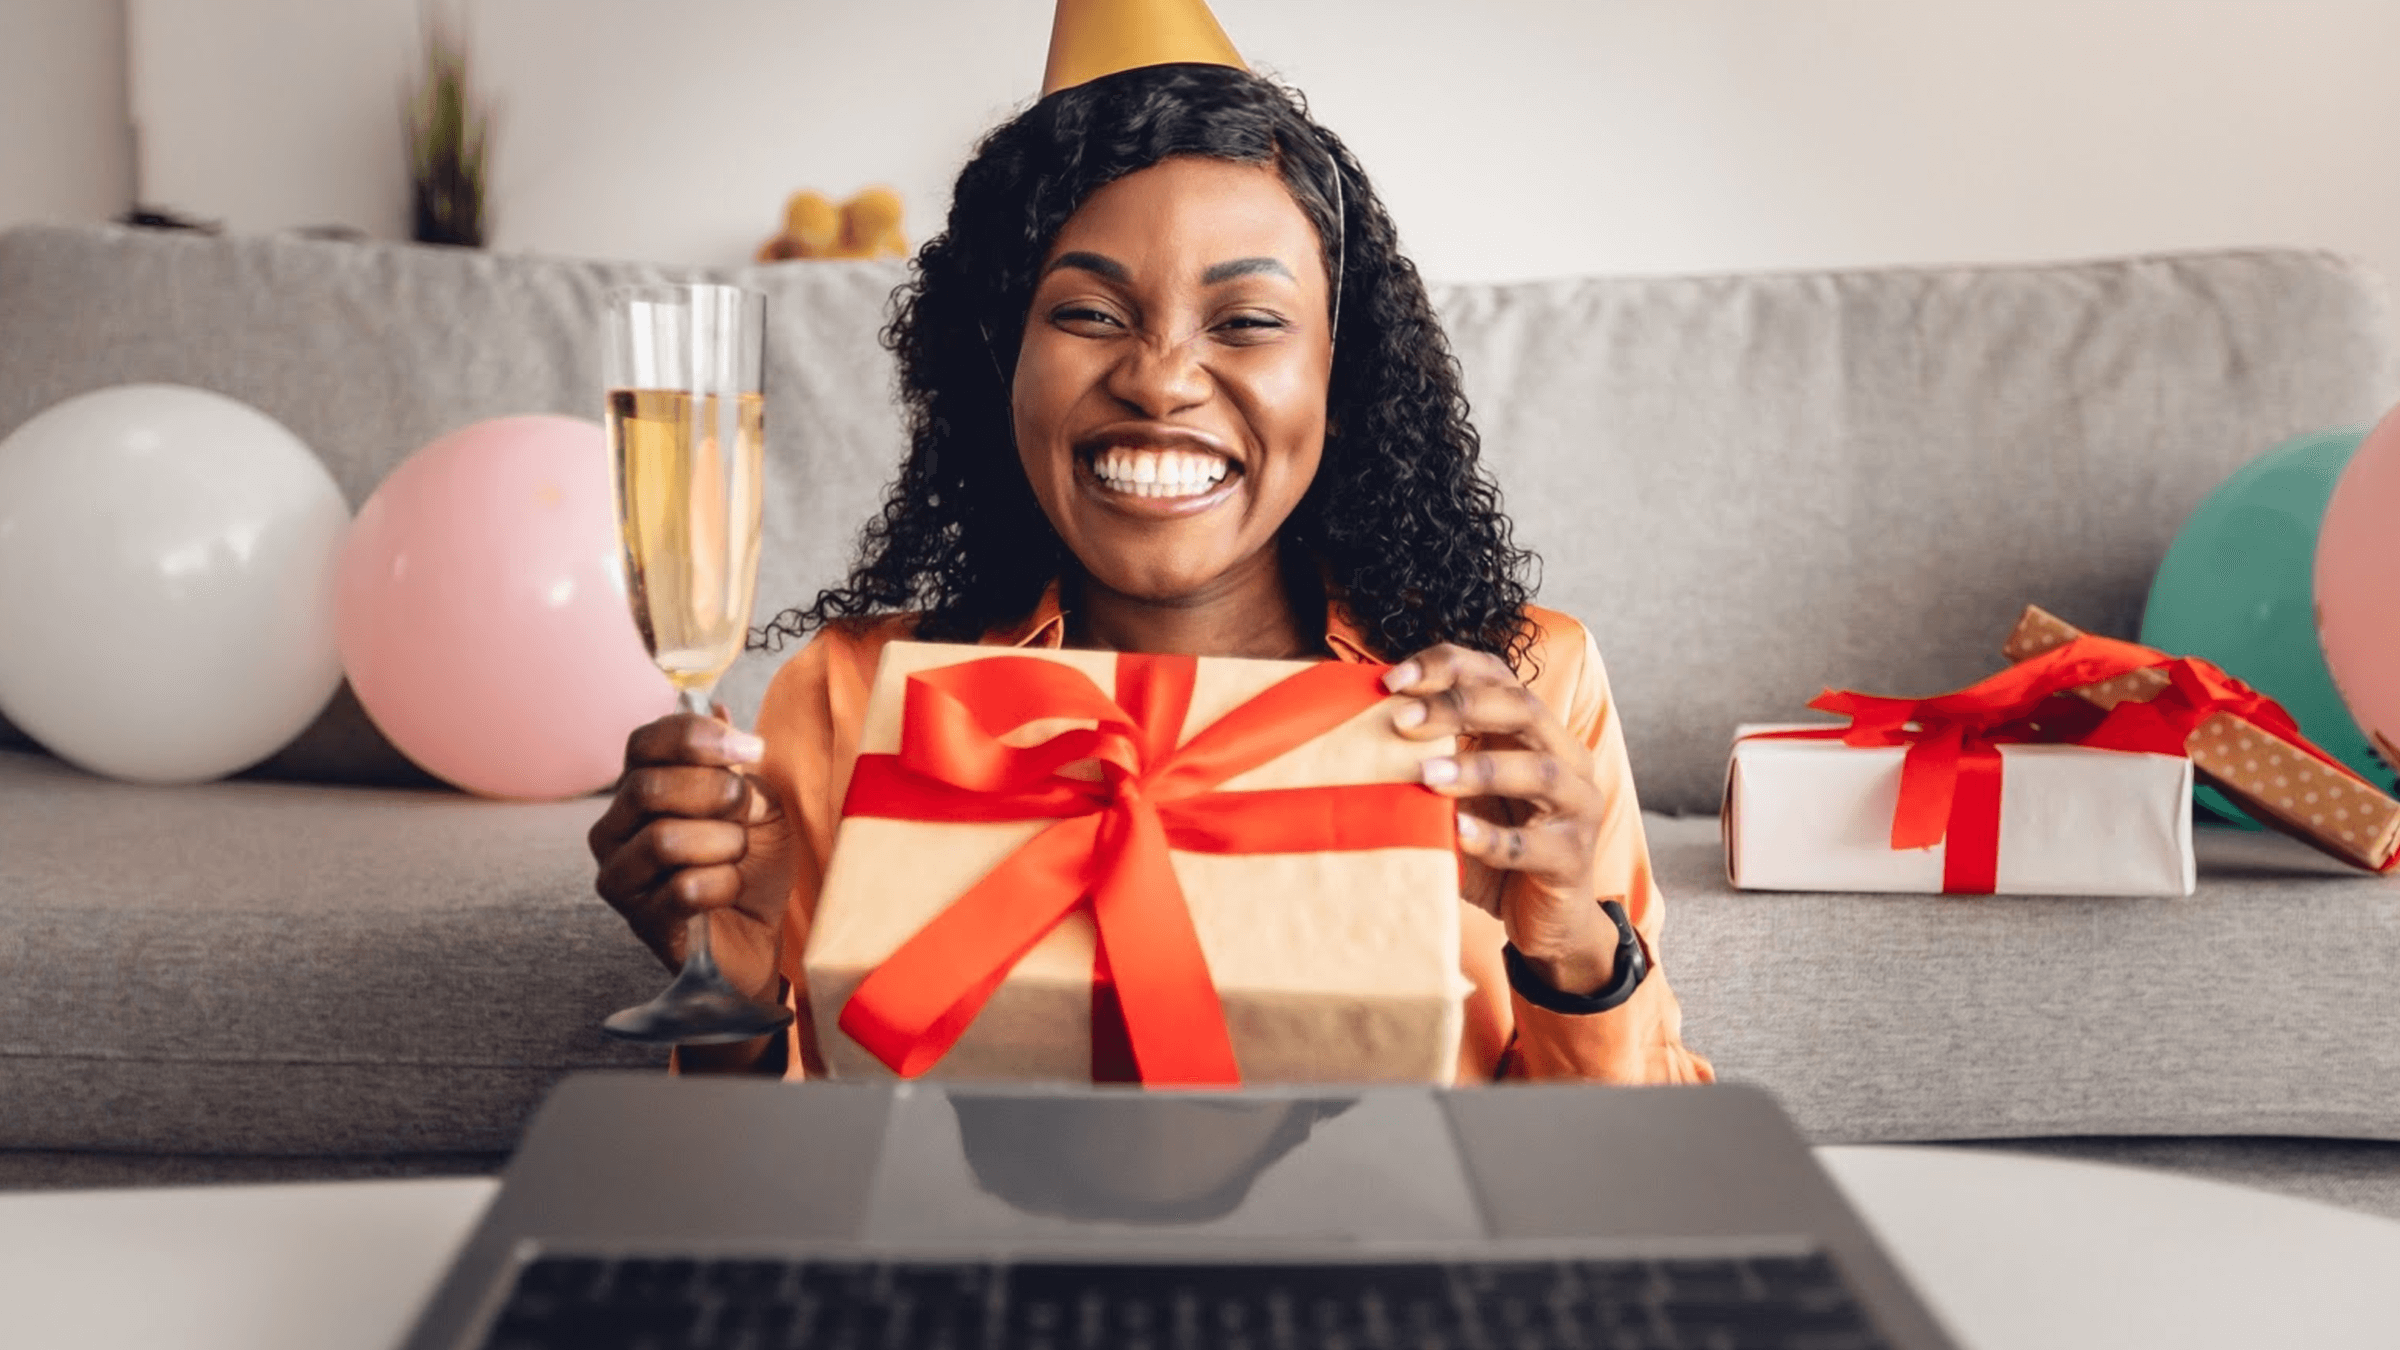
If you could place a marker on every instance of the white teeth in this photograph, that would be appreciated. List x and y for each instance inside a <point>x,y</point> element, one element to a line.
<point>1159,473</point>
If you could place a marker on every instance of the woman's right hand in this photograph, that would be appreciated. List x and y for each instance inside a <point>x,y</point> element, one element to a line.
<point>689,832</point>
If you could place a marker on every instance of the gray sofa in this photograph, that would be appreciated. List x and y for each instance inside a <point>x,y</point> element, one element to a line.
<point>1751,487</point>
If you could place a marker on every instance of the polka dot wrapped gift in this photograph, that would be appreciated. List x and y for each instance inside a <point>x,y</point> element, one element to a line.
<point>2259,761</point>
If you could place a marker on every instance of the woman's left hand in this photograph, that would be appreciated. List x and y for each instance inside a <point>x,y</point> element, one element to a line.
<point>1529,804</point>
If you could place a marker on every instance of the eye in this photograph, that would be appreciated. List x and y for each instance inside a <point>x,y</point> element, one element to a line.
<point>1086,317</point>
<point>1251,326</point>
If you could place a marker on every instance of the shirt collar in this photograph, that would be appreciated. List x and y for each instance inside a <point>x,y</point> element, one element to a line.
<point>1046,627</point>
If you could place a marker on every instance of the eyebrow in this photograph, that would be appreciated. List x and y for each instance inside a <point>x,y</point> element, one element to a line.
<point>1244,267</point>
<point>1102,265</point>
<point>1090,262</point>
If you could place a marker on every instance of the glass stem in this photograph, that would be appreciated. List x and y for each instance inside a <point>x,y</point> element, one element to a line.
<point>699,962</point>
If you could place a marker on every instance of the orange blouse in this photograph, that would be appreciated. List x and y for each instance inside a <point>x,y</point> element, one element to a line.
<point>812,713</point>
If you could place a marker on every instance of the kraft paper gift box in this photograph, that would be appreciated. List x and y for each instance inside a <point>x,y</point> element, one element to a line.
<point>2264,772</point>
<point>1816,815</point>
<point>1332,964</point>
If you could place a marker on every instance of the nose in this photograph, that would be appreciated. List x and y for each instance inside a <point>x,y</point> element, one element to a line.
<point>1157,376</point>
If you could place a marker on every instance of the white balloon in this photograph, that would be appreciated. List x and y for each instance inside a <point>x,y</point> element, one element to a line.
<point>166,582</point>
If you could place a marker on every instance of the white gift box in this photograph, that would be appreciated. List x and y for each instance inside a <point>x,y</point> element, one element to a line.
<point>1816,815</point>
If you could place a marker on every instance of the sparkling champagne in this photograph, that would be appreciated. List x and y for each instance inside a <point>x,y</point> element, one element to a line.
<point>687,470</point>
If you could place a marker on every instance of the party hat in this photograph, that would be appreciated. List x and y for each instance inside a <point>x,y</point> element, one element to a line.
<point>1092,38</point>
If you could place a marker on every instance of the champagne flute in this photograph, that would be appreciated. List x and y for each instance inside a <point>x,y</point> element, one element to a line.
<point>687,450</point>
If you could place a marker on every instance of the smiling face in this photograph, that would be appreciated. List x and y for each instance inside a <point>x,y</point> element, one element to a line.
<point>1170,394</point>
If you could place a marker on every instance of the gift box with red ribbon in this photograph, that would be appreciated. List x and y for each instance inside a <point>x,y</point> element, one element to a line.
<point>2241,742</point>
<point>2011,785</point>
<point>1091,865</point>
<point>1807,811</point>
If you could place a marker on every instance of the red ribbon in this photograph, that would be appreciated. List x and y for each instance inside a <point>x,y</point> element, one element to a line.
<point>1109,848</point>
<point>1950,779</point>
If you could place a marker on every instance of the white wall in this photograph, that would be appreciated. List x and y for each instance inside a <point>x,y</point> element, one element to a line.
<point>269,114</point>
<point>66,147</point>
<point>1513,138</point>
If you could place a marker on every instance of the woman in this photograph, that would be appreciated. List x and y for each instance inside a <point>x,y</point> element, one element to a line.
<point>1237,431</point>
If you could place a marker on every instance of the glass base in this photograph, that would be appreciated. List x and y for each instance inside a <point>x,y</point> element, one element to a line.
<point>700,1008</point>
<point>696,1017</point>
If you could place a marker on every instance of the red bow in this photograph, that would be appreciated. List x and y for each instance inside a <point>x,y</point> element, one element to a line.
<point>1950,778</point>
<point>1109,847</point>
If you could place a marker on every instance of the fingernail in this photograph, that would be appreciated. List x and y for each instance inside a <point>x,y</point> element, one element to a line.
<point>1470,830</point>
<point>1439,771</point>
<point>1408,714</point>
<point>1402,676</point>
<point>744,748</point>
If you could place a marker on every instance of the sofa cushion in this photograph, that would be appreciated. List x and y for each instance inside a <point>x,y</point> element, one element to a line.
<point>2259,1006</point>
<point>269,968</point>
<point>1754,487</point>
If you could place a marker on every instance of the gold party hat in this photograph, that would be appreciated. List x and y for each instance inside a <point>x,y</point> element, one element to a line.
<point>1092,38</point>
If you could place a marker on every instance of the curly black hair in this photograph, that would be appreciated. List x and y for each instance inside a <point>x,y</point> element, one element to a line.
<point>1402,518</point>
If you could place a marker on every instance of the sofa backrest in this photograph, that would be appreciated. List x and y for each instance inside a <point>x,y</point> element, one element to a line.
<point>1755,487</point>
<point>369,351</point>
<point>1749,486</point>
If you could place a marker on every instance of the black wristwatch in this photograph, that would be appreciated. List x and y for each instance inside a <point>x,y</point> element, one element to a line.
<point>1632,964</point>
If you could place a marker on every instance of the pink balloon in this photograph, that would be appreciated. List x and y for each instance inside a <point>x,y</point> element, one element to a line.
<point>480,612</point>
<point>2358,586</point>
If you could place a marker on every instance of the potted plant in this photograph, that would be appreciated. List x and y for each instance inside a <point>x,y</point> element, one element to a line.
<point>449,136</point>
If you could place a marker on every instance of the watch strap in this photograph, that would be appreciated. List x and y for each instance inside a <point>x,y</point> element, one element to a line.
<point>1632,965</point>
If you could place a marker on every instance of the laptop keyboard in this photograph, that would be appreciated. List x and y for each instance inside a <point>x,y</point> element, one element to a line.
<point>632,1303</point>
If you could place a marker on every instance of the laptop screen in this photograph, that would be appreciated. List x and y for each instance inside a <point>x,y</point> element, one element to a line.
<point>967,1163</point>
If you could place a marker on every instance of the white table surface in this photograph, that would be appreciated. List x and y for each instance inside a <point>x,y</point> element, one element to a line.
<point>2012,1251</point>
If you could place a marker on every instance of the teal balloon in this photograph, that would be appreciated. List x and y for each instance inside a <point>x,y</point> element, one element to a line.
<point>2238,588</point>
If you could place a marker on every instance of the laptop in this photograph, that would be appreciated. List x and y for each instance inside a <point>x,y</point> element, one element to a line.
<point>647,1211</point>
